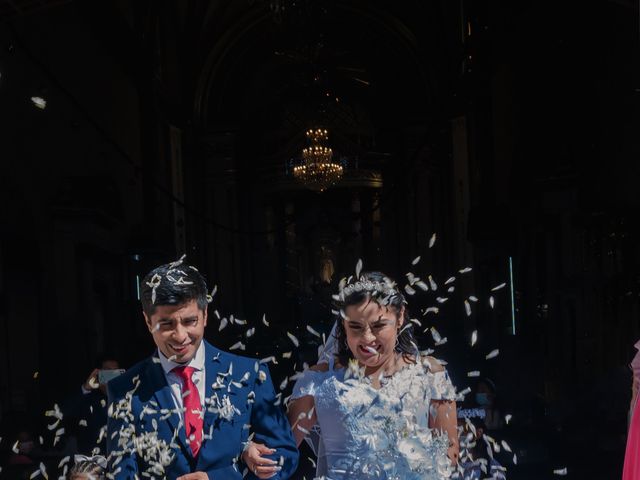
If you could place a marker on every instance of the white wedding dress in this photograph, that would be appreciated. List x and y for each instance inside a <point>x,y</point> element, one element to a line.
<point>369,433</point>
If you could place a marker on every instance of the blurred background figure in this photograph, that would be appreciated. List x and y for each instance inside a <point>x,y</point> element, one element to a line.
<point>486,401</point>
<point>85,411</point>
<point>632,454</point>
<point>481,410</point>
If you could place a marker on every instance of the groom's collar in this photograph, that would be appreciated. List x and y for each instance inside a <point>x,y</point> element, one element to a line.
<point>196,362</point>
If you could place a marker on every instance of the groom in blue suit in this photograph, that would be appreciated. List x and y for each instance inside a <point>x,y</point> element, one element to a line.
<point>188,411</point>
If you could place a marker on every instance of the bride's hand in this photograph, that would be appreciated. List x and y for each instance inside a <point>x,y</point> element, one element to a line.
<point>262,467</point>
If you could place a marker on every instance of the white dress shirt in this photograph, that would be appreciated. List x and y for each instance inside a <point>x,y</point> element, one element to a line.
<point>175,382</point>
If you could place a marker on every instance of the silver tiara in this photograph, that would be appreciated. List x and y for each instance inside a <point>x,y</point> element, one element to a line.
<point>386,289</point>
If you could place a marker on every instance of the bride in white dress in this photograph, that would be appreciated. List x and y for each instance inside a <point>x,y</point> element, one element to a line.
<point>376,407</point>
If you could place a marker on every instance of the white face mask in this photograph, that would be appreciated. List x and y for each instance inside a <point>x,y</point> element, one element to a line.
<point>483,399</point>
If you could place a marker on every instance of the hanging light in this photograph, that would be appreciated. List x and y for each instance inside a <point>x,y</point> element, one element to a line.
<point>317,170</point>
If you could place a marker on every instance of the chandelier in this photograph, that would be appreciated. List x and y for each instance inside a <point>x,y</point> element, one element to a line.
<point>317,170</point>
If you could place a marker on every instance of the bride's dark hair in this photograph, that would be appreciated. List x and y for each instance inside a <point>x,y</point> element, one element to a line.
<point>406,344</point>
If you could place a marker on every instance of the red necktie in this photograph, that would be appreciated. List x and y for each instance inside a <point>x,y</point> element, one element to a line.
<point>193,418</point>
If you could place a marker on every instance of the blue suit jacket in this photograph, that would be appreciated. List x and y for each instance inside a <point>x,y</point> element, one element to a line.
<point>140,401</point>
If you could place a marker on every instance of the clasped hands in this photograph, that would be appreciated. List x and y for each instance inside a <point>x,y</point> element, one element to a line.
<point>262,467</point>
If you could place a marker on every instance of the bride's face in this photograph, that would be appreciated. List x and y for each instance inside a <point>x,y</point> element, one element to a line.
<point>372,331</point>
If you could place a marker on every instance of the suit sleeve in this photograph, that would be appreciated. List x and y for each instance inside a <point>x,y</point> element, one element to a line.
<point>271,426</point>
<point>122,459</point>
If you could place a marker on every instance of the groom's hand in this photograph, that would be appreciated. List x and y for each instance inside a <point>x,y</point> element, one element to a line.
<point>262,467</point>
<point>194,476</point>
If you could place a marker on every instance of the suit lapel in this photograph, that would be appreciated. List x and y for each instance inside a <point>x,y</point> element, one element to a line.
<point>212,362</point>
<point>164,397</point>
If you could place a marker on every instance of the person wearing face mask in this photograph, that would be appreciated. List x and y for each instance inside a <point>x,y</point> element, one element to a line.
<point>383,410</point>
<point>85,411</point>
<point>485,399</point>
<point>481,411</point>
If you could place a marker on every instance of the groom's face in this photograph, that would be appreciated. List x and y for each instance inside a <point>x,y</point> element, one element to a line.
<point>177,330</point>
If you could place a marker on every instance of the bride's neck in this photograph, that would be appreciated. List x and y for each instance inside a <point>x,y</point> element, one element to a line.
<point>387,367</point>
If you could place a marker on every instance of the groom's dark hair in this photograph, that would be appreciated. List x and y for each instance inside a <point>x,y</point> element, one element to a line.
<point>172,284</point>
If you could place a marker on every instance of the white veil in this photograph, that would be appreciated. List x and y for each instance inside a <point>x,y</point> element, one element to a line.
<point>326,354</point>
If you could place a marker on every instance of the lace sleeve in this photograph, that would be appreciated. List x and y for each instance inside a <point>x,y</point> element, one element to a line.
<point>307,383</point>
<point>441,386</point>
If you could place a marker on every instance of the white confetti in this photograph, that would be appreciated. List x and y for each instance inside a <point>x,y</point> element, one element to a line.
<point>465,270</point>
<point>358,268</point>
<point>473,298</point>
<point>415,260</point>
<point>433,284</point>
<point>502,285</point>
<point>560,471</point>
<point>450,280</point>
<point>431,310</point>
<point>293,339</point>
<point>264,319</point>
<point>492,301</point>
<point>474,337</point>
<point>473,373</point>
<point>435,334</point>
<point>39,102</point>
<point>238,345</point>
<point>409,290</point>
<point>250,332</point>
<point>432,240</point>
<point>313,332</point>
<point>223,323</point>
<point>492,354</point>
<point>507,418</point>
<point>467,308</point>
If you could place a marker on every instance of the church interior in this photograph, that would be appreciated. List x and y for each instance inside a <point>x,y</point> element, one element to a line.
<point>495,136</point>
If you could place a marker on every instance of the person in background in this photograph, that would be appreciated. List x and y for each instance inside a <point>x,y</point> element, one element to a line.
<point>87,468</point>
<point>485,399</point>
<point>26,449</point>
<point>85,412</point>
<point>482,411</point>
<point>631,469</point>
